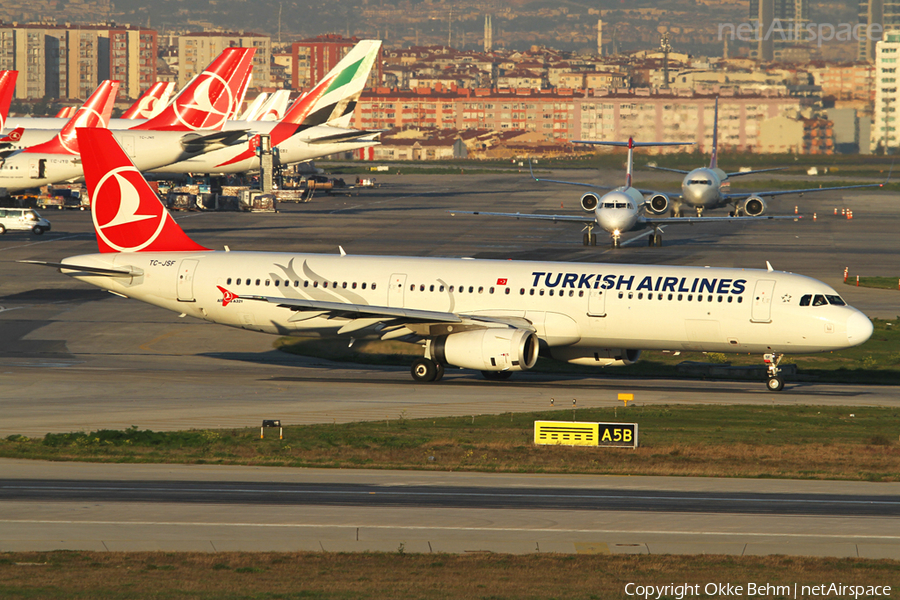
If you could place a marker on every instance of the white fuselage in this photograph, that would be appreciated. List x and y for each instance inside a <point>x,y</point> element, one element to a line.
<point>576,309</point>
<point>147,150</point>
<point>702,188</point>
<point>618,211</point>
<point>299,147</point>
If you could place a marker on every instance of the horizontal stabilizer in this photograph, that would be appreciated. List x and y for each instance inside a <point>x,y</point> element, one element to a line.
<point>94,270</point>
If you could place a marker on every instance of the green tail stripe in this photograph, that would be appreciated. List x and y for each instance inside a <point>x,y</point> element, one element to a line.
<point>345,76</point>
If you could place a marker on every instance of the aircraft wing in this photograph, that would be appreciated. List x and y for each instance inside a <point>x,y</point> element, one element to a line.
<point>194,142</point>
<point>741,173</point>
<point>737,196</point>
<point>368,315</point>
<point>590,185</point>
<point>691,220</point>
<point>353,135</point>
<point>667,169</point>
<point>343,309</point>
<point>587,218</point>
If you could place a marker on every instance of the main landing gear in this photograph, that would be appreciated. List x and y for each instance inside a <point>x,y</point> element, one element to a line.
<point>654,240</point>
<point>425,370</point>
<point>774,383</point>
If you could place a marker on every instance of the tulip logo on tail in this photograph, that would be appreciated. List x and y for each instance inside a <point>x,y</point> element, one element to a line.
<point>209,106</point>
<point>228,297</point>
<point>123,219</point>
<point>87,116</point>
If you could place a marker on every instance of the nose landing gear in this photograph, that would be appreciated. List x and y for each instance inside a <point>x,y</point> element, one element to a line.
<point>774,383</point>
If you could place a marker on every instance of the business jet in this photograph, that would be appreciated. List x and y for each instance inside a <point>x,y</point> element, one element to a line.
<point>190,126</point>
<point>488,315</point>
<point>621,210</point>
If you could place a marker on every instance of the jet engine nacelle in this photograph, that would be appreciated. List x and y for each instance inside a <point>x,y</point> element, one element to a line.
<point>658,204</point>
<point>753,206</point>
<point>589,202</point>
<point>491,349</point>
<point>596,357</point>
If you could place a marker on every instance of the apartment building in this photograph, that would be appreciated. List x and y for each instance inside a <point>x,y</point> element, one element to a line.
<point>196,50</point>
<point>887,99</point>
<point>70,61</point>
<point>563,115</point>
<point>313,58</point>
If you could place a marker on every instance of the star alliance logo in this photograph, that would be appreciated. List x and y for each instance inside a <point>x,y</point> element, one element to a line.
<point>786,298</point>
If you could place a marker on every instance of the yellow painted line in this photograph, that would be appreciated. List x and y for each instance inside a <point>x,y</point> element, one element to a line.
<point>146,347</point>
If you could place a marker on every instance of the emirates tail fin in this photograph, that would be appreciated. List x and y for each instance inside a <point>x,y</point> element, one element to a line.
<point>128,215</point>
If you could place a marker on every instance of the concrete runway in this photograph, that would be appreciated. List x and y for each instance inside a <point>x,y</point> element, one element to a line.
<point>214,509</point>
<point>74,358</point>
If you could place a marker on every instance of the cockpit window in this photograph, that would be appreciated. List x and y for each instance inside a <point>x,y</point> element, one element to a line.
<point>836,300</point>
<point>804,301</point>
<point>621,205</point>
<point>609,205</point>
<point>700,182</point>
<point>819,300</point>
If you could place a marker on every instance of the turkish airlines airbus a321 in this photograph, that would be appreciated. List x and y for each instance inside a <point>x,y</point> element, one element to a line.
<point>489,315</point>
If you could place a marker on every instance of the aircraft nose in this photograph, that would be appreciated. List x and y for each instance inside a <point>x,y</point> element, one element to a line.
<point>859,328</point>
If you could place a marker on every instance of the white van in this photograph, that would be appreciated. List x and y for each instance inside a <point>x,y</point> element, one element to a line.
<point>22,219</point>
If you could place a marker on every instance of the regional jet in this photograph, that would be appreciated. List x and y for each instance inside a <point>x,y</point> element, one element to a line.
<point>622,209</point>
<point>488,315</point>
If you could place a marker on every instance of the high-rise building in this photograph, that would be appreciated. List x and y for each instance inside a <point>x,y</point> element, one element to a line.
<point>887,99</point>
<point>488,34</point>
<point>313,58</point>
<point>196,50</point>
<point>871,18</point>
<point>779,22</point>
<point>57,61</point>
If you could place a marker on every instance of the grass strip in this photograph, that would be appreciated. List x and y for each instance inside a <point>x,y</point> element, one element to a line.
<point>882,283</point>
<point>796,442</point>
<point>401,576</point>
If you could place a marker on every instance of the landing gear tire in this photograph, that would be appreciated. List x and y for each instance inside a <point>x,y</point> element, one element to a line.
<point>775,384</point>
<point>38,230</point>
<point>593,240</point>
<point>439,374</point>
<point>496,375</point>
<point>654,240</point>
<point>586,240</point>
<point>616,243</point>
<point>424,370</point>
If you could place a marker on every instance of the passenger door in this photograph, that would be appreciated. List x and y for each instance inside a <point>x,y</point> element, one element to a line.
<point>761,311</point>
<point>395,290</point>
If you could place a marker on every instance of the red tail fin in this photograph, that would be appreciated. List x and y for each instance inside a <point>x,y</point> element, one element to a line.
<point>209,99</point>
<point>13,136</point>
<point>127,214</point>
<point>7,88</point>
<point>94,113</point>
<point>151,102</point>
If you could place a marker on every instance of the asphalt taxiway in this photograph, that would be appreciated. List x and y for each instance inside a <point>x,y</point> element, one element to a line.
<point>75,358</point>
<point>214,509</point>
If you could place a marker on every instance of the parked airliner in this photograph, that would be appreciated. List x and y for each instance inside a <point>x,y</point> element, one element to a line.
<point>620,210</point>
<point>488,315</point>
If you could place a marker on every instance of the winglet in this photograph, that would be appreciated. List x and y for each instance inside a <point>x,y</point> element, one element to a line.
<point>769,267</point>
<point>128,216</point>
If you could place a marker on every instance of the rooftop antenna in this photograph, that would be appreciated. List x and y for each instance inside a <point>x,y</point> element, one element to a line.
<point>666,48</point>
<point>449,29</point>
<point>279,23</point>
